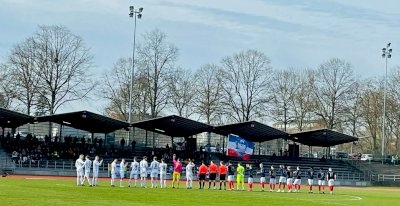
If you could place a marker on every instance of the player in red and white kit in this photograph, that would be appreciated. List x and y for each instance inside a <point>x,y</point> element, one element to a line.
<point>297,179</point>
<point>262,173</point>
<point>321,181</point>
<point>289,180</point>
<point>272,179</point>
<point>331,177</point>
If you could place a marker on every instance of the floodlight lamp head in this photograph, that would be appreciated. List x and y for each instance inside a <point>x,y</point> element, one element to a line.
<point>390,50</point>
<point>140,9</point>
<point>131,15</point>
<point>131,8</point>
<point>389,56</point>
<point>383,50</point>
<point>139,16</point>
<point>388,45</point>
<point>383,55</point>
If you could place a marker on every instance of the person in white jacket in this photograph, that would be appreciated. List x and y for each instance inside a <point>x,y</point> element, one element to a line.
<point>155,168</point>
<point>79,164</point>
<point>113,172</point>
<point>88,165</point>
<point>143,171</point>
<point>96,166</point>
<point>122,167</point>
<point>134,172</point>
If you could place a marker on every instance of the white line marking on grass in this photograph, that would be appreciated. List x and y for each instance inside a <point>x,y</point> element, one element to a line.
<point>38,178</point>
<point>354,197</point>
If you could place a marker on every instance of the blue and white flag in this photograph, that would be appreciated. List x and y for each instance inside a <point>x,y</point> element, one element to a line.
<point>239,147</point>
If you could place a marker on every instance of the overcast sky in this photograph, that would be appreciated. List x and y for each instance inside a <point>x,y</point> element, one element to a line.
<point>293,33</point>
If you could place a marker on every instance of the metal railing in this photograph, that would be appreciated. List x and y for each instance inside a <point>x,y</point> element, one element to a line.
<point>393,178</point>
<point>53,164</point>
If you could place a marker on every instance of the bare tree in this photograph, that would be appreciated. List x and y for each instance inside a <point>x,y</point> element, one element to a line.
<point>333,82</point>
<point>284,86</point>
<point>303,102</point>
<point>61,64</point>
<point>181,91</point>
<point>352,111</point>
<point>116,89</point>
<point>208,93</point>
<point>24,81</point>
<point>245,78</point>
<point>7,94</point>
<point>393,112</point>
<point>371,105</point>
<point>157,56</point>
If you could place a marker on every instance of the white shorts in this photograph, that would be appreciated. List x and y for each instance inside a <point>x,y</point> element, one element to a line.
<point>297,181</point>
<point>310,182</point>
<point>331,182</point>
<point>79,172</point>
<point>122,174</point>
<point>272,181</point>
<point>231,178</point>
<point>321,182</point>
<point>262,180</point>
<point>282,179</point>
<point>154,174</point>
<point>289,181</point>
<point>87,174</point>
<point>163,176</point>
<point>113,175</point>
<point>189,176</point>
<point>133,175</point>
<point>143,174</point>
<point>95,174</point>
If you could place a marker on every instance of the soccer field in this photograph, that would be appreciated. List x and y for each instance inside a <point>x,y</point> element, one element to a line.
<point>44,191</point>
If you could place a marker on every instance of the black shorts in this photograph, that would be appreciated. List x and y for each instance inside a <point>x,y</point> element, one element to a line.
<point>213,176</point>
<point>202,177</point>
<point>222,177</point>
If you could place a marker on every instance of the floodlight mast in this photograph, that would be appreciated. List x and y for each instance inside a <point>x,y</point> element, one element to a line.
<point>387,54</point>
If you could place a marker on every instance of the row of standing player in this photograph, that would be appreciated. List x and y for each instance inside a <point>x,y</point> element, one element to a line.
<point>285,174</point>
<point>83,166</point>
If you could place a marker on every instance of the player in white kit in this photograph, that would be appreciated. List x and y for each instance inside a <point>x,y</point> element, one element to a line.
<point>189,174</point>
<point>163,174</point>
<point>113,172</point>
<point>155,168</point>
<point>96,165</point>
<point>79,164</point>
<point>134,172</point>
<point>122,167</point>
<point>88,165</point>
<point>143,171</point>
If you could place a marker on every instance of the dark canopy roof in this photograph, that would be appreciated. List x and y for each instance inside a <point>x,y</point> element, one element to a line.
<point>11,119</point>
<point>252,130</point>
<point>322,138</point>
<point>87,121</point>
<point>174,126</point>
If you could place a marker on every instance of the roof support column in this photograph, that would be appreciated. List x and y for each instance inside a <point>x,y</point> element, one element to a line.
<point>60,132</point>
<point>259,148</point>
<point>145,144</point>
<point>223,145</point>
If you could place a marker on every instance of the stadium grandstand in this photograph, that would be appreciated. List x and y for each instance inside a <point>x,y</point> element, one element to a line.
<point>51,147</point>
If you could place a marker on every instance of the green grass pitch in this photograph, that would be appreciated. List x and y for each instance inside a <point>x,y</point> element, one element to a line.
<point>22,191</point>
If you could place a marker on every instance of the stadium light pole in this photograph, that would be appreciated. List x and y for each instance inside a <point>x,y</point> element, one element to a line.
<point>136,14</point>
<point>387,54</point>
